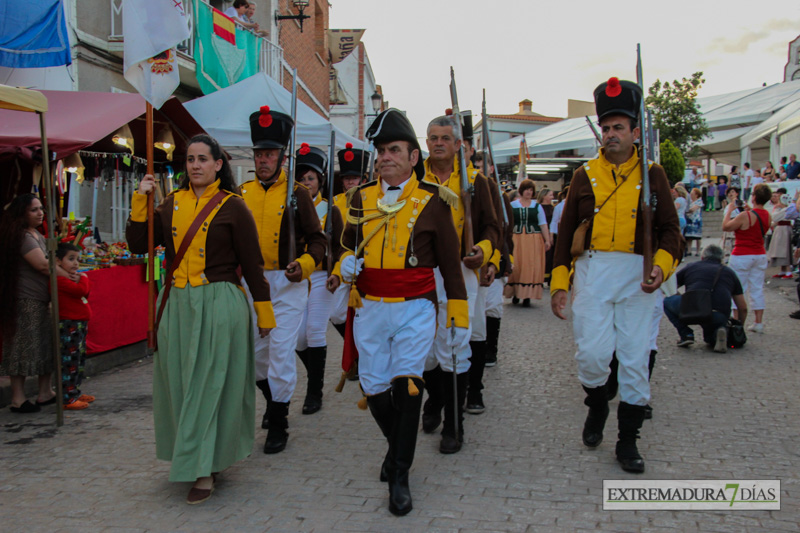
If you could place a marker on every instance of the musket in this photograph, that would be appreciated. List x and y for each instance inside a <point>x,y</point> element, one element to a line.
<point>488,154</point>
<point>647,208</point>
<point>594,130</point>
<point>329,216</point>
<point>291,200</point>
<point>466,190</point>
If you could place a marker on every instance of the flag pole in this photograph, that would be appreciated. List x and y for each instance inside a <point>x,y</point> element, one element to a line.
<point>151,256</point>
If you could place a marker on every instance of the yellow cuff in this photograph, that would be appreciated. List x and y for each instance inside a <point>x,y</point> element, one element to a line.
<point>487,249</point>
<point>665,261</point>
<point>139,207</point>
<point>264,314</point>
<point>495,260</point>
<point>337,268</point>
<point>458,309</point>
<point>307,265</point>
<point>559,279</point>
<point>511,258</point>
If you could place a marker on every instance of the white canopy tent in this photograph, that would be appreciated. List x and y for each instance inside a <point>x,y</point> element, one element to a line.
<point>569,134</point>
<point>225,115</point>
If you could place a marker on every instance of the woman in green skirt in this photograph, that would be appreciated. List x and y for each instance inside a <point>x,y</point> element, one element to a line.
<point>203,375</point>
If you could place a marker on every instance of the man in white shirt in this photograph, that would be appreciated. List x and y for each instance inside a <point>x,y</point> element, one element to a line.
<point>748,181</point>
<point>237,12</point>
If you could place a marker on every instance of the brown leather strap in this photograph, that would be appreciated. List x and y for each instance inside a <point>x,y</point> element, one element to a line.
<point>187,240</point>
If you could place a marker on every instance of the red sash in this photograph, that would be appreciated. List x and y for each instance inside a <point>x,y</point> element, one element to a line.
<point>384,283</point>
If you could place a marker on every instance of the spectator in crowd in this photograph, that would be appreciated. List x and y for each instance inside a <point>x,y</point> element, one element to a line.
<point>792,168</point>
<point>531,242</point>
<point>694,221</point>
<point>748,182</point>
<point>249,16</point>
<point>782,168</point>
<point>757,178</point>
<point>681,198</point>
<point>722,191</point>
<point>711,197</point>
<point>780,246</point>
<point>769,173</point>
<point>545,200</point>
<point>735,181</point>
<point>749,258</point>
<point>238,13</point>
<point>25,303</point>
<point>708,274</point>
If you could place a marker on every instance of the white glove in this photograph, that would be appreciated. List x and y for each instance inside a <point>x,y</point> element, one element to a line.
<point>350,267</point>
<point>454,341</point>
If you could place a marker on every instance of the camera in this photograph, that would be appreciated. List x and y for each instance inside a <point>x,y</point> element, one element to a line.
<point>739,203</point>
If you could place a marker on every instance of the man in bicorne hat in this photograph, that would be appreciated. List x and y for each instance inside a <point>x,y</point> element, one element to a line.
<point>442,168</point>
<point>612,306</point>
<point>398,230</point>
<point>276,371</point>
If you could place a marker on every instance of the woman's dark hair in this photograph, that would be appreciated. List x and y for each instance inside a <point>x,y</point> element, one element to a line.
<point>525,185</point>
<point>12,231</point>
<point>761,194</point>
<point>64,248</point>
<point>734,168</point>
<point>225,174</point>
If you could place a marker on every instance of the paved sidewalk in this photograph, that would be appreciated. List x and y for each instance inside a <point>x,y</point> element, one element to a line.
<point>522,468</point>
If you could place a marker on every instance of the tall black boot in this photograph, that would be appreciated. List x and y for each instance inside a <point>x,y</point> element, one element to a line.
<point>432,411</point>
<point>380,405</point>
<point>612,385</point>
<point>451,442</point>
<point>316,379</point>
<point>263,386</point>
<point>278,422</point>
<point>492,336</point>
<point>477,363</point>
<point>630,419</point>
<point>597,401</point>
<point>340,328</point>
<point>404,441</point>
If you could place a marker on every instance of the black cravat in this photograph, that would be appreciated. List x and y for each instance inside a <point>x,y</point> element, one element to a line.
<point>394,188</point>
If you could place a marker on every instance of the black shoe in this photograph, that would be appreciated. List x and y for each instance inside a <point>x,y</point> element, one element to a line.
<point>312,404</point>
<point>491,360</point>
<point>475,408</point>
<point>492,336</point>
<point>648,412</point>
<point>431,421</point>
<point>265,420</point>
<point>453,412</point>
<point>263,386</point>
<point>450,444</point>
<point>515,300</point>
<point>277,436</point>
<point>432,408</point>
<point>526,302</point>
<point>597,401</point>
<point>629,418</point>
<point>685,342</point>
<point>399,493</point>
<point>795,315</point>
<point>403,443</point>
<point>314,360</point>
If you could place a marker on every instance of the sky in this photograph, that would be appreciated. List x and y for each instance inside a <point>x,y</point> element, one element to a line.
<point>549,52</point>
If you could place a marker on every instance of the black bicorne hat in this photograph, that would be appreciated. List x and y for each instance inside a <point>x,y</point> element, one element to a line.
<point>616,97</point>
<point>352,161</point>
<point>313,158</point>
<point>270,129</point>
<point>393,125</point>
<point>466,125</point>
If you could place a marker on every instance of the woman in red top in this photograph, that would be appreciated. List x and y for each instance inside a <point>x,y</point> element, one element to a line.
<point>749,258</point>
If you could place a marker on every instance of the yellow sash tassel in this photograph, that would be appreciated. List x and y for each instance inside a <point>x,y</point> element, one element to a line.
<point>412,388</point>
<point>340,386</point>
<point>362,403</point>
<point>355,298</point>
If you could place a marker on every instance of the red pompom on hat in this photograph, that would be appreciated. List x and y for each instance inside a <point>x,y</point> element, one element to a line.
<point>265,120</point>
<point>448,111</point>
<point>349,155</point>
<point>349,146</point>
<point>613,89</point>
<point>304,149</point>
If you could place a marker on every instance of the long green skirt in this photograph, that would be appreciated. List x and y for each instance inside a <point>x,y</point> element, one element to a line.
<point>204,381</point>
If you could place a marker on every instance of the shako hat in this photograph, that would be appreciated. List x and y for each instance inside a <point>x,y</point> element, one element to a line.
<point>393,125</point>
<point>270,129</point>
<point>313,158</point>
<point>617,97</point>
<point>466,123</point>
<point>352,161</point>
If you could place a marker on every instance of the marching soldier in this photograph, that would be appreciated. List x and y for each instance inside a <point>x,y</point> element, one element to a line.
<point>398,230</point>
<point>276,371</point>
<point>442,168</point>
<point>312,345</point>
<point>601,235</point>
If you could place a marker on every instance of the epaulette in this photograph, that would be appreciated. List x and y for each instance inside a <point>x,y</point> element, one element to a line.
<point>350,193</point>
<point>247,183</point>
<point>445,193</point>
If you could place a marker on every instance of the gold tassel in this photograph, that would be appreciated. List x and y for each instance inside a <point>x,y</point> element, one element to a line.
<point>362,403</point>
<point>412,388</point>
<point>340,386</point>
<point>449,197</point>
<point>355,298</point>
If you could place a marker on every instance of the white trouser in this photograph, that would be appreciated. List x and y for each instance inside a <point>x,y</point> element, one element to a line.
<point>314,323</point>
<point>658,312</point>
<point>275,358</point>
<point>494,298</point>
<point>393,339</point>
<point>478,322</point>
<point>441,353</point>
<point>341,297</point>
<point>612,313</point>
<point>751,270</point>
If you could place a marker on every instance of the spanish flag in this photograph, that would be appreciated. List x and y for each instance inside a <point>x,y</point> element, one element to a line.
<point>224,27</point>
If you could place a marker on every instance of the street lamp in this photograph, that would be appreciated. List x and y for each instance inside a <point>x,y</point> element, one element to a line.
<point>377,102</point>
<point>300,5</point>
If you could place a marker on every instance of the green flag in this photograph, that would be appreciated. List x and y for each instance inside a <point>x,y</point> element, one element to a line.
<point>219,63</point>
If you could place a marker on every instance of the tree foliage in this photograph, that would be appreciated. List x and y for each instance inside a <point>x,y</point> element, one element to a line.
<point>673,162</point>
<point>675,112</point>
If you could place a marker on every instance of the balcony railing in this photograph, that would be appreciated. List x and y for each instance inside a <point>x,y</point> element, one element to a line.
<point>270,54</point>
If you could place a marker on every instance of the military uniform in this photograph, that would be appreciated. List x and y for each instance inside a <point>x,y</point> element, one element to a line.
<point>276,370</point>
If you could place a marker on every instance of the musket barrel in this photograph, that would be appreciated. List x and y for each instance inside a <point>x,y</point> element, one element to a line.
<point>290,198</point>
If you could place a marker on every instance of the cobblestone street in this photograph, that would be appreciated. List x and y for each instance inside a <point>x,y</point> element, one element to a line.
<point>523,466</point>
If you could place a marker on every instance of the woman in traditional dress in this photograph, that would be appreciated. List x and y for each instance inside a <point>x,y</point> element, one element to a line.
<point>25,303</point>
<point>694,222</point>
<point>312,345</point>
<point>531,241</point>
<point>780,246</point>
<point>203,371</point>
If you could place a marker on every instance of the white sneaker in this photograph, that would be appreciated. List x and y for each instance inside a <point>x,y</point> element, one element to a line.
<point>757,327</point>
<point>721,345</point>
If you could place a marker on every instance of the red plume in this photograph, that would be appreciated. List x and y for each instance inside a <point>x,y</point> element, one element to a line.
<point>613,88</point>
<point>349,146</point>
<point>448,111</point>
<point>304,149</point>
